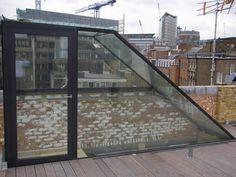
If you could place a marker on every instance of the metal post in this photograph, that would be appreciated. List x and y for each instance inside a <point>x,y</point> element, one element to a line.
<point>214,46</point>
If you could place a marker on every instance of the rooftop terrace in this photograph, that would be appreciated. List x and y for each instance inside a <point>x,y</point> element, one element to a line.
<point>208,161</point>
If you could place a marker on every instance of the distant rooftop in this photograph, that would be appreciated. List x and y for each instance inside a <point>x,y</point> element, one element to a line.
<point>40,16</point>
<point>140,35</point>
<point>167,14</point>
<point>192,32</point>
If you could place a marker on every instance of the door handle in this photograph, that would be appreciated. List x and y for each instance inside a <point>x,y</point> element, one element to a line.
<point>68,96</point>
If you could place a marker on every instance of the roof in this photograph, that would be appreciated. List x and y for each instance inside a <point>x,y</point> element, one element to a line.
<point>139,35</point>
<point>167,14</point>
<point>41,16</point>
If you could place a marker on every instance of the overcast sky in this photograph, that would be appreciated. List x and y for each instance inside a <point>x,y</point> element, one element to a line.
<point>135,10</point>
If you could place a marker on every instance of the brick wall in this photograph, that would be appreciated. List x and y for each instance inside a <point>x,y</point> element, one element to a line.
<point>218,101</point>
<point>205,96</point>
<point>127,118</point>
<point>226,107</point>
<point>104,120</point>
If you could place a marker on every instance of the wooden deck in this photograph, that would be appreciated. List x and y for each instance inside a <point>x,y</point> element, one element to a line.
<point>209,161</point>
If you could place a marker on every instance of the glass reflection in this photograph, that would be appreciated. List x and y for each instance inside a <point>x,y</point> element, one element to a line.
<point>41,62</point>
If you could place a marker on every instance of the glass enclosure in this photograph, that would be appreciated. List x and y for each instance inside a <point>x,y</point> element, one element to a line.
<point>75,92</point>
<point>140,111</point>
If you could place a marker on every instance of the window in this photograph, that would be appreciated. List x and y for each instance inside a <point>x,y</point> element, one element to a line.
<point>219,78</point>
<point>231,68</point>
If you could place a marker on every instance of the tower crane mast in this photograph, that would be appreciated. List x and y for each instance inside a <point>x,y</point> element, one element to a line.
<point>96,7</point>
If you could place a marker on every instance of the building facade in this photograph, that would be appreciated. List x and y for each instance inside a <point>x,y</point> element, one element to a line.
<point>196,70</point>
<point>142,42</point>
<point>40,16</point>
<point>168,29</point>
<point>188,37</point>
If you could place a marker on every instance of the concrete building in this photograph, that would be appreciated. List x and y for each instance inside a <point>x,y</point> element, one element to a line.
<point>188,37</point>
<point>141,41</point>
<point>168,29</point>
<point>224,46</point>
<point>40,16</point>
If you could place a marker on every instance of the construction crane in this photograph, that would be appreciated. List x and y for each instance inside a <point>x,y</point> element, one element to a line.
<point>96,7</point>
<point>159,11</point>
<point>141,26</point>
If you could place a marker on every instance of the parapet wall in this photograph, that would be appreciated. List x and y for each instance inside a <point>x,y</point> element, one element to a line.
<point>218,101</point>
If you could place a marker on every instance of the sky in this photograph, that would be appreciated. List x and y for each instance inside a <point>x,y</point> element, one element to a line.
<point>144,10</point>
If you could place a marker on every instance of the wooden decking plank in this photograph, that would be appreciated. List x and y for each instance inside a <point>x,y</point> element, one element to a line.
<point>206,169</point>
<point>226,151</point>
<point>30,171</point>
<point>58,169</point>
<point>157,166</point>
<point>118,167</point>
<point>90,168</point>
<point>221,154</point>
<point>40,171</point>
<point>3,173</point>
<point>103,166</point>
<point>137,168</point>
<point>215,160</point>
<point>20,172</point>
<point>67,168</point>
<point>231,129</point>
<point>182,166</point>
<point>11,172</point>
<point>49,170</point>
<point>77,168</point>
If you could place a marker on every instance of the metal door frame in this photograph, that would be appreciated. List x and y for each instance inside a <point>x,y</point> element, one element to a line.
<point>9,29</point>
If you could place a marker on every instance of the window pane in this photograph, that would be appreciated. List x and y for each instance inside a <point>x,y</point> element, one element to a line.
<point>41,61</point>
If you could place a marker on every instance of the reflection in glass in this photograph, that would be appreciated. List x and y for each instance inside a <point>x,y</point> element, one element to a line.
<point>99,68</point>
<point>41,62</point>
<point>127,106</point>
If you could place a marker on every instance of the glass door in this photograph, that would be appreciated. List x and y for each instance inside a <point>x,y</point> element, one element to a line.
<point>42,83</point>
<point>41,64</point>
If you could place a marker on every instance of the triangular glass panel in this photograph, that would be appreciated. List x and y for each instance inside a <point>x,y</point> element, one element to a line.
<point>127,105</point>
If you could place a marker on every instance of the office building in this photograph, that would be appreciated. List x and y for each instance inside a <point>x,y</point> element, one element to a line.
<point>142,42</point>
<point>168,29</point>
